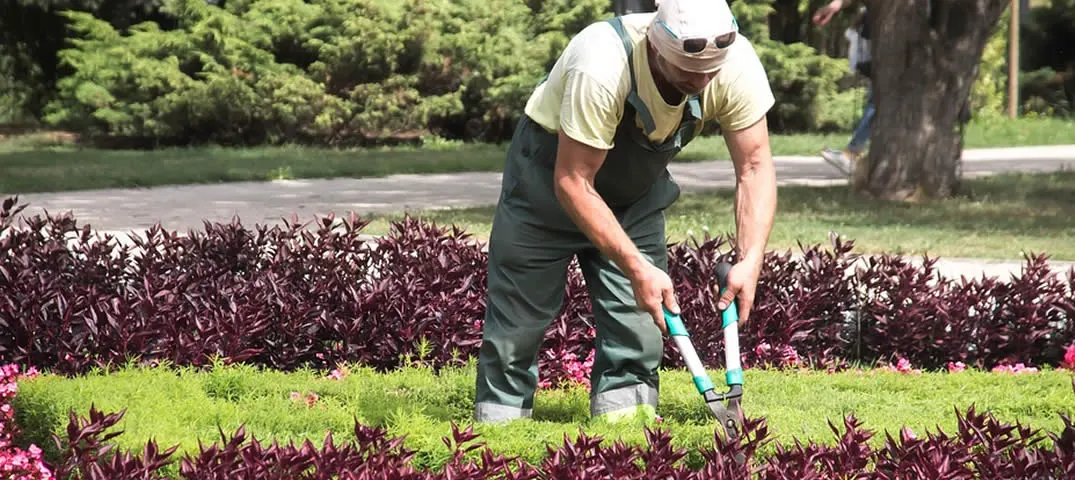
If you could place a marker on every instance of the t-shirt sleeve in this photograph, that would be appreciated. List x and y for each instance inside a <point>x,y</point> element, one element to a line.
<point>745,100</point>
<point>589,112</point>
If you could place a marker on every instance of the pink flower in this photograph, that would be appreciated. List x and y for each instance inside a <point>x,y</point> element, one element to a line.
<point>778,355</point>
<point>956,367</point>
<point>578,372</point>
<point>574,371</point>
<point>1017,369</point>
<point>762,349</point>
<point>339,372</point>
<point>16,463</point>
<point>1069,358</point>
<point>903,366</point>
<point>789,355</point>
<point>295,395</point>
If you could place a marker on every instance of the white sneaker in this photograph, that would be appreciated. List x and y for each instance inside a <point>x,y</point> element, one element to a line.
<point>842,161</point>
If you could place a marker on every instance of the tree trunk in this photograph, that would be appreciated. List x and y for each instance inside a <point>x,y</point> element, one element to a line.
<point>785,21</point>
<point>925,56</point>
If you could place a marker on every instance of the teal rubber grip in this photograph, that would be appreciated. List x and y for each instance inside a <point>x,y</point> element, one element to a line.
<point>703,384</point>
<point>675,324</point>
<point>734,377</point>
<point>730,314</point>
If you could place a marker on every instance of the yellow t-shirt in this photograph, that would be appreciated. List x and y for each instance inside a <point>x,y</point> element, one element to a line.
<point>587,88</point>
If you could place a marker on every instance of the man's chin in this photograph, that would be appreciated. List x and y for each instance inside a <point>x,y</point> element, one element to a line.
<point>689,91</point>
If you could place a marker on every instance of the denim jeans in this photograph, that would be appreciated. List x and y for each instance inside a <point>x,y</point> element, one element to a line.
<point>862,131</point>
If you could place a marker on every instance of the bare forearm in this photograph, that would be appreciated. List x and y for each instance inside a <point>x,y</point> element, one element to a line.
<point>593,217</point>
<point>755,205</point>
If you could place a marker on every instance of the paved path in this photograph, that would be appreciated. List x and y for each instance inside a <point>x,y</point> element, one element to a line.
<point>184,207</point>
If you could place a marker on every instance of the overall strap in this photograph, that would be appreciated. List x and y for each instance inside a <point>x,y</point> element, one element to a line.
<point>694,107</point>
<point>691,115</point>
<point>632,97</point>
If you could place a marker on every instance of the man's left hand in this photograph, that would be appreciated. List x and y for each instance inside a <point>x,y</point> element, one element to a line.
<point>742,282</point>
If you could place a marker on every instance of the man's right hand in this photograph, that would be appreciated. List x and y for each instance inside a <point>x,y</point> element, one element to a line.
<point>576,166</point>
<point>654,292</point>
<point>824,14</point>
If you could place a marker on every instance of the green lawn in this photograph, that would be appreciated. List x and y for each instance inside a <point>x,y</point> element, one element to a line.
<point>1000,217</point>
<point>190,406</point>
<point>42,163</point>
<point>979,134</point>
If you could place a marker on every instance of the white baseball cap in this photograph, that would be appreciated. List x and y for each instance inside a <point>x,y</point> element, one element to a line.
<point>694,35</point>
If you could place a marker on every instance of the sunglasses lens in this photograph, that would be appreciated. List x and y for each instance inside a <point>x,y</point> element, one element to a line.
<point>694,45</point>
<point>724,41</point>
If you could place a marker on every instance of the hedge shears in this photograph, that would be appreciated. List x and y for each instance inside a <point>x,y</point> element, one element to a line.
<point>730,414</point>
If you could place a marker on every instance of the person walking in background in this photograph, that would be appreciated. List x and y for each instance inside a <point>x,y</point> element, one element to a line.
<point>859,57</point>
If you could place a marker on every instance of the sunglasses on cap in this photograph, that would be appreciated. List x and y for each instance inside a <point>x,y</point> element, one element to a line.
<point>696,45</point>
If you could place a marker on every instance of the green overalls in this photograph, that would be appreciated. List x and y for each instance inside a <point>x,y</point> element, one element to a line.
<point>532,243</point>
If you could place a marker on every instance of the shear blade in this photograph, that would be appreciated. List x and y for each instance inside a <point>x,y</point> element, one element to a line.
<point>729,421</point>
<point>728,418</point>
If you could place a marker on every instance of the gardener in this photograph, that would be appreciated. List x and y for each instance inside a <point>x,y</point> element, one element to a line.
<point>586,178</point>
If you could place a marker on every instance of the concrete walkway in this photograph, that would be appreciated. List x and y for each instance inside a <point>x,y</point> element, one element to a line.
<point>184,207</point>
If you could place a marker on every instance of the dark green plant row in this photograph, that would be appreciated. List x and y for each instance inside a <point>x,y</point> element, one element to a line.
<point>356,72</point>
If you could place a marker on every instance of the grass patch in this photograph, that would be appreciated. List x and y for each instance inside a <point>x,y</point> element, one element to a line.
<point>185,406</point>
<point>63,168</point>
<point>49,162</point>
<point>984,133</point>
<point>1000,217</point>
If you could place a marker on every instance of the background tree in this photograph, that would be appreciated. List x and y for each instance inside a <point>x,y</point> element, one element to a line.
<point>926,58</point>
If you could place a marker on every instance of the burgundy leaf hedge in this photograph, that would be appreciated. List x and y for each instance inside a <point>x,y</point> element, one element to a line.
<point>315,295</point>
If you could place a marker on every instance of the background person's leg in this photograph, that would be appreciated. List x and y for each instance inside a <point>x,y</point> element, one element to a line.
<point>861,134</point>
<point>846,159</point>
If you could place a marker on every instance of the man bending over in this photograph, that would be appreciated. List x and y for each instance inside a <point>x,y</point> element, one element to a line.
<point>586,177</point>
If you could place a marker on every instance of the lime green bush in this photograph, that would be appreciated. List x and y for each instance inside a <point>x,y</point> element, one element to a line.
<point>184,406</point>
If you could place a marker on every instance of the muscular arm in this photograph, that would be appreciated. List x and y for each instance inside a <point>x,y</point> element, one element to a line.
<point>576,167</point>
<point>755,196</point>
<point>755,207</point>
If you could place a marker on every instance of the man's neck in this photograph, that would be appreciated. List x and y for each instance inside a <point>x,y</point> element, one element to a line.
<point>670,93</point>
